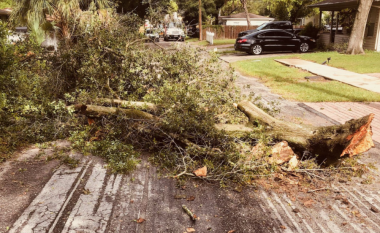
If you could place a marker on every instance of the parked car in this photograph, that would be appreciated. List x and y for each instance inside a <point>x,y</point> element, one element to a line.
<point>274,40</point>
<point>284,25</point>
<point>174,33</point>
<point>152,35</point>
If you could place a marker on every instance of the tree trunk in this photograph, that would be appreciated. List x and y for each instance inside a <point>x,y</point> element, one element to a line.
<point>244,3</point>
<point>329,143</point>
<point>355,44</point>
<point>200,20</point>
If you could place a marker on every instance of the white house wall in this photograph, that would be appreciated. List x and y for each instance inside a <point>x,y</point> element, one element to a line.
<point>254,22</point>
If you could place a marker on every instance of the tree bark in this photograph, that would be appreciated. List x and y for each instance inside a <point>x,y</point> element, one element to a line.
<point>244,3</point>
<point>355,44</point>
<point>129,104</point>
<point>329,143</point>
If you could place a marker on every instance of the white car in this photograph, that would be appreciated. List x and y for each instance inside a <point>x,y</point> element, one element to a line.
<point>152,35</point>
<point>174,33</point>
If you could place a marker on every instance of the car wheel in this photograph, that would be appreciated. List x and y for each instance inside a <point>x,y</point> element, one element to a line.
<point>304,47</point>
<point>256,49</point>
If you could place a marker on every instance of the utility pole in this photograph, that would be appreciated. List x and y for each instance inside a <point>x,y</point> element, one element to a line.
<point>200,20</point>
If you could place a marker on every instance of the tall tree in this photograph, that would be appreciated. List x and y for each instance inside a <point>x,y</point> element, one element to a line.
<point>355,44</point>
<point>244,3</point>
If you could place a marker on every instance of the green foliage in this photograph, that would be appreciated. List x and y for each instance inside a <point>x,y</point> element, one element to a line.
<point>290,10</point>
<point>65,14</point>
<point>6,4</point>
<point>255,7</point>
<point>310,30</point>
<point>191,10</point>
<point>347,19</point>
<point>121,157</point>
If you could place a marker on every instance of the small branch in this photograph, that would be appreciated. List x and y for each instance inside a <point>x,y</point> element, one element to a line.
<point>315,190</point>
<point>188,212</point>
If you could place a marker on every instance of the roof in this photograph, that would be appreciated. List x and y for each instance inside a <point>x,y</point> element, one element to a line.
<point>337,5</point>
<point>242,16</point>
<point>6,11</point>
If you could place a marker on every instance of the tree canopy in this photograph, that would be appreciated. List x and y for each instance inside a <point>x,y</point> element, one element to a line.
<point>290,9</point>
<point>190,9</point>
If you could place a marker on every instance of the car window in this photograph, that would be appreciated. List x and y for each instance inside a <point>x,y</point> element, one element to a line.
<point>270,26</point>
<point>262,26</point>
<point>267,34</point>
<point>284,34</point>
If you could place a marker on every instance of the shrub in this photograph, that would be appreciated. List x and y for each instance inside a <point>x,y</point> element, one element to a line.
<point>310,30</point>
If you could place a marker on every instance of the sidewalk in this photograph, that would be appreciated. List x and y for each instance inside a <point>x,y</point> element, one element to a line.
<point>358,80</point>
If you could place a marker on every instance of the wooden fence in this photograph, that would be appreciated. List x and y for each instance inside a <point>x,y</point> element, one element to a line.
<point>225,32</point>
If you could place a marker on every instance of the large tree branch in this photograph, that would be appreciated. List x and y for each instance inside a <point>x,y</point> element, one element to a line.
<point>97,111</point>
<point>129,104</point>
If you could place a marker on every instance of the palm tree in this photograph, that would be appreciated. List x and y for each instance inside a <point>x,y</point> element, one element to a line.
<point>43,15</point>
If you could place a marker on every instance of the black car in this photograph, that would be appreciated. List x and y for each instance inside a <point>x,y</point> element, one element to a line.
<point>284,25</point>
<point>274,40</point>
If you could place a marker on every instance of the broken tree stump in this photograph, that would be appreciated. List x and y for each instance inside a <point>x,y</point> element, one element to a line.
<point>329,143</point>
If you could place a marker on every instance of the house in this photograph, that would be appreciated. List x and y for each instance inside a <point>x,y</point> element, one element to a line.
<point>372,32</point>
<point>240,19</point>
<point>5,13</point>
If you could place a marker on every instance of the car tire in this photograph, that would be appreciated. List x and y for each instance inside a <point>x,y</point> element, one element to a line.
<point>256,49</point>
<point>304,47</point>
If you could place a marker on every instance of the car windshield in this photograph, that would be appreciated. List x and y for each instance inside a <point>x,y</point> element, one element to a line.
<point>262,26</point>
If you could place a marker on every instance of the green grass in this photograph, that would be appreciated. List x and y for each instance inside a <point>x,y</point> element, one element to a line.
<point>292,85</point>
<point>216,42</point>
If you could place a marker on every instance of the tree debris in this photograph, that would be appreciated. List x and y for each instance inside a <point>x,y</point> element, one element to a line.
<point>140,220</point>
<point>201,172</point>
<point>330,143</point>
<point>374,209</point>
<point>281,153</point>
<point>188,212</point>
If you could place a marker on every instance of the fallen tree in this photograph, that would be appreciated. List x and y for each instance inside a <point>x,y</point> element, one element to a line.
<point>329,143</point>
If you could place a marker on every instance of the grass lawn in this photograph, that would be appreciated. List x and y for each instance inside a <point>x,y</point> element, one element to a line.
<point>292,85</point>
<point>216,42</point>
